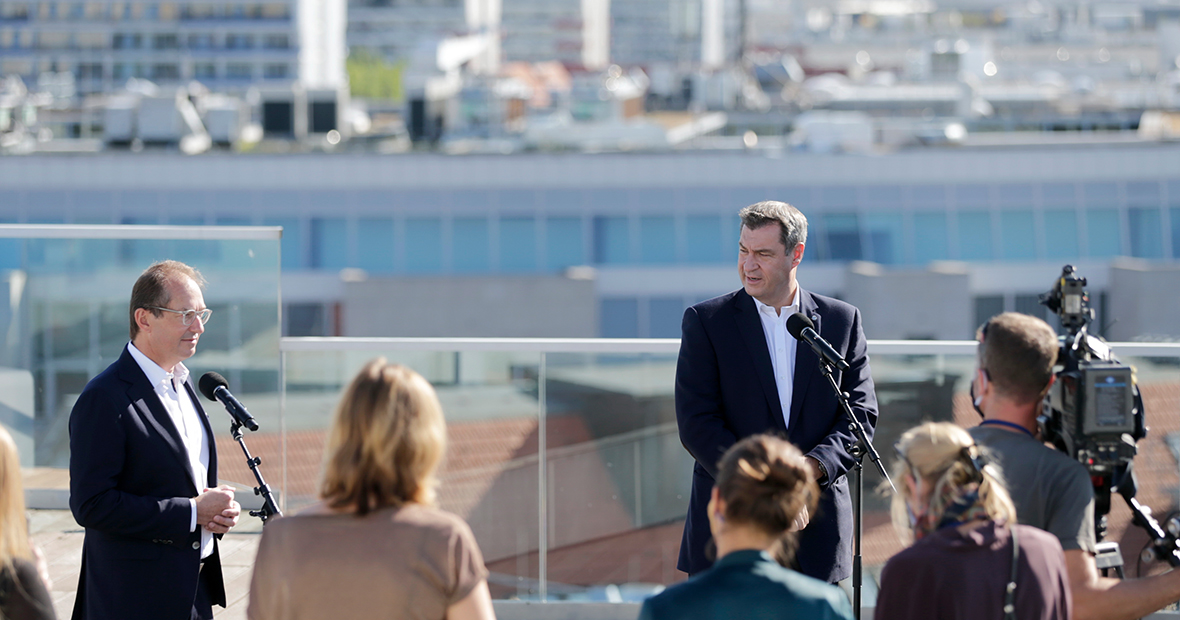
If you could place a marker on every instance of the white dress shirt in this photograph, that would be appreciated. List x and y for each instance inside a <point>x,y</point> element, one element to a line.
<point>782,350</point>
<point>169,386</point>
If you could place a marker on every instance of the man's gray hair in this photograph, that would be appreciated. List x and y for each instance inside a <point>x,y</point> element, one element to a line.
<point>792,225</point>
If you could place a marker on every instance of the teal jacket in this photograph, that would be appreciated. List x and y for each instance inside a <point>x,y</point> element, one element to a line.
<point>749,585</point>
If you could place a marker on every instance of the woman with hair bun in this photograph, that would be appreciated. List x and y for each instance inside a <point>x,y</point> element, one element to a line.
<point>968,561</point>
<point>375,547</point>
<point>763,484</point>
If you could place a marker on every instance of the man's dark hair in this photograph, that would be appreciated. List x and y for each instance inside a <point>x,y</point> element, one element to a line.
<point>151,289</point>
<point>791,222</point>
<point>1018,351</point>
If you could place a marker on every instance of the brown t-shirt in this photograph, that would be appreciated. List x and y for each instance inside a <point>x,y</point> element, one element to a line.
<point>405,563</point>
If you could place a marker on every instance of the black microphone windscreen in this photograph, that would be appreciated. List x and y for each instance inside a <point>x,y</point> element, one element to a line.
<point>798,322</point>
<point>209,383</point>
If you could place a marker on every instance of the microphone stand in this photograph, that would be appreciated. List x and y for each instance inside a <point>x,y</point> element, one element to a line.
<point>269,508</point>
<point>857,450</point>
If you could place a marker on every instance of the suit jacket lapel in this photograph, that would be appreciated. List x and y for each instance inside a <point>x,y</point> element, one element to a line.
<point>806,360</point>
<point>750,326</point>
<point>141,393</point>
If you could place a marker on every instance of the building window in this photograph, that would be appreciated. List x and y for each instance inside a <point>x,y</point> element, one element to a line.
<point>276,42</point>
<point>657,239</point>
<point>1175,213</point>
<point>664,316</point>
<point>518,244</point>
<point>90,71</point>
<point>703,239</point>
<point>53,40</point>
<point>239,41</point>
<point>90,40</point>
<point>975,235</point>
<point>886,238</point>
<point>563,243</point>
<point>987,306</point>
<point>165,42</point>
<point>423,245</point>
<point>470,251</point>
<point>127,41</point>
<point>275,71</point>
<point>843,235</point>
<point>205,71</point>
<point>930,237</point>
<point>200,41</point>
<point>1103,232</point>
<point>1018,236</point>
<point>1146,231</point>
<point>329,243</point>
<point>374,244</point>
<point>239,71</point>
<point>619,318</point>
<point>1061,233</point>
<point>16,11</point>
<point>165,71</point>
<point>612,240</point>
<point>276,10</point>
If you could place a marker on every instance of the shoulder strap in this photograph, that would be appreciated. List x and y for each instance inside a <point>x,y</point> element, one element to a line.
<point>1010,591</point>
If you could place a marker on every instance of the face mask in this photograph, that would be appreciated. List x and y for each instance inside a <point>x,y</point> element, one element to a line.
<point>976,401</point>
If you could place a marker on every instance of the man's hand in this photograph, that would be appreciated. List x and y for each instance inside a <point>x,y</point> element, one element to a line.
<point>216,509</point>
<point>816,469</point>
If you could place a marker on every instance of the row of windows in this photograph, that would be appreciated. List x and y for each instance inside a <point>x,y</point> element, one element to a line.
<point>166,71</point>
<point>25,39</point>
<point>136,11</point>
<point>514,231</point>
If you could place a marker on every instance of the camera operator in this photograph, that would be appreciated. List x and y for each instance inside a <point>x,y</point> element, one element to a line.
<point>1051,491</point>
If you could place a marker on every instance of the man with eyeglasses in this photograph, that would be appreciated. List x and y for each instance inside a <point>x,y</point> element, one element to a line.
<point>1051,491</point>
<point>143,467</point>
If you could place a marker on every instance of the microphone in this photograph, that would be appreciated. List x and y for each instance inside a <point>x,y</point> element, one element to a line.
<point>801,327</point>
<point>213,386</point>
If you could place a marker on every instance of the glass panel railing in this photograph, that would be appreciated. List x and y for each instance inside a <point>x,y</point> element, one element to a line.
<point>600,416</point>
<point>64,294</point>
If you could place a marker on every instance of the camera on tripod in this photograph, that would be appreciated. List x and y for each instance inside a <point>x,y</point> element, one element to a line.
<point>1094,413</point>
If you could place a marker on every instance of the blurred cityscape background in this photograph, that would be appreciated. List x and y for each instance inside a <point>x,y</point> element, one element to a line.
<point>572,169</point>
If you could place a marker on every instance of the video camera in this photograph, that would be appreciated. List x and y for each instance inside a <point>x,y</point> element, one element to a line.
<point>1094,413</point>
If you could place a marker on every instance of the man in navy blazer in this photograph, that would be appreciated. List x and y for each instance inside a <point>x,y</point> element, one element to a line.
<point>739,372</point>
<point>143,467</point>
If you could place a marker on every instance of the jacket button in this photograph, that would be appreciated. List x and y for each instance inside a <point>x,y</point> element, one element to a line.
<point>196,545</point>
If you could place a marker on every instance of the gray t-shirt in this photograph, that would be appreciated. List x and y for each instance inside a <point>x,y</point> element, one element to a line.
<point>1051,491</point>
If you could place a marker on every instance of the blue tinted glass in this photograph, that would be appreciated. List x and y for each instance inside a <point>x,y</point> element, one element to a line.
<point>928,195</point>
<point>1104,234</point>
<point>883,195</point>
<point>470,245</point>
<point>703,238</point>
<point>930,237</point>
<point>374,244</point>
<point>563,243</point>
<point>886,238</point>
<point>657,239</point>
<point>975,235</point>
<point>194,251</point>
<point>838,196</point>
<point>329,243</point>
<point>423,245</point>
<point>619,318</point>
<point>292,242</point>
<point>664,315</point>
<point>1175,213</point>
<point>612,240</point>
<point>231,220</point>
<point>1018,235</point>
<point>139,253</point>
<point>518,244</point>
<point>843,236</point>
<point>1146,232</point>
<point>1061,233</point>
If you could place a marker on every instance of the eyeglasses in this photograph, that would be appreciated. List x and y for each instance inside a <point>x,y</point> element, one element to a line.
<point>187,316</point>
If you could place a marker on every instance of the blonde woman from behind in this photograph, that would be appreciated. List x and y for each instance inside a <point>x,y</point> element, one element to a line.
<point>969,560</point>
<point>24,593</point>
<point>375,546</point>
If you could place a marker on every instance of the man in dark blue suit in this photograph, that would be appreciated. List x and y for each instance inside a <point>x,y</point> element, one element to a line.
<point>143,467</point>
<point>740,373</point>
